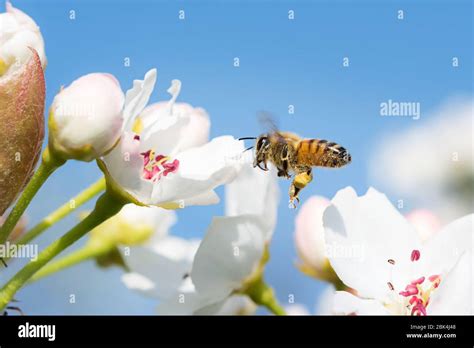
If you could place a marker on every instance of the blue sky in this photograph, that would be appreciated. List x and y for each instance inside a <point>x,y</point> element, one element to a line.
<point>282,62</point>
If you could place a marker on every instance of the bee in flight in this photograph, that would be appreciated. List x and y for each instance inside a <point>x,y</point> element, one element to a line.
<point>292,154</point>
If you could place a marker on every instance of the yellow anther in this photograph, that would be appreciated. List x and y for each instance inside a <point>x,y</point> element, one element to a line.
<point>137,125</point>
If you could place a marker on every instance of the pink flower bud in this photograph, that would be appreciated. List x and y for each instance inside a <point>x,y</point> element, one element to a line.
<point>85,119</point>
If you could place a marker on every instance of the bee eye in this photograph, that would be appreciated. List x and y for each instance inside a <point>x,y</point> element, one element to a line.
<point>284,151</point>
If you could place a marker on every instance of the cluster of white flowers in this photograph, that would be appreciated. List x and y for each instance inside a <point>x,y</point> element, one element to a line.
<point>159,158</point>
<point>206,277</point>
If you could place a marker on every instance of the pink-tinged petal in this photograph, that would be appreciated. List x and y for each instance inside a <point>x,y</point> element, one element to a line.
<point>309,232</point>
<point>426,223</point>
<point>22,94</point>
<point>124,166</point>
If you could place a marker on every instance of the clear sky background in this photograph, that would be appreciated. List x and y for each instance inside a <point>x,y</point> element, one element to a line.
<point>282,62</point>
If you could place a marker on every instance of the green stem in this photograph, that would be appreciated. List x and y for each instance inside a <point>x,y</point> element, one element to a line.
<point>87,252</point>
<point>263,295</point>
<point>63,211</point>
<point>106,206</point>
<point>47,166</point>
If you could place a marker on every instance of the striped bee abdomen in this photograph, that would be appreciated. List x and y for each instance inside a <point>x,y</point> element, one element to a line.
<point>315,152</point>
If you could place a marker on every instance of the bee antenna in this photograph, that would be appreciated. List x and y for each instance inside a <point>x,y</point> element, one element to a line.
<point>247,138</point>
<point>249,148</point>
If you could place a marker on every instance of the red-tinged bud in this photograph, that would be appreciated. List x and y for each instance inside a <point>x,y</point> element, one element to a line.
<point>22,93</point>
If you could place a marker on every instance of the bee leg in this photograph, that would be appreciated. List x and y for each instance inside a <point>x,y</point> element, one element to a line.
<point>283,172</point>
<point>265,168</point>
<point>299,182</point>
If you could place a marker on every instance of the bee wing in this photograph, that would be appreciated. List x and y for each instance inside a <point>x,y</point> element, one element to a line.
<point>268,122</point>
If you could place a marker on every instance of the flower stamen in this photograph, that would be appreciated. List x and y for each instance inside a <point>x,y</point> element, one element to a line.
<point>155,167</point>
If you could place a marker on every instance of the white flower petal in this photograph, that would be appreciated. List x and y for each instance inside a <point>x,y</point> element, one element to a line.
<point>234,305</point>
<point>254,191</point>
<point>455,293</point>
<point>159,219</point>
<point>188,303</point>
<point>197,126</point>
<point>348,304</point>
<point>166,264</point>
<point>228,254</point>
<point>201,169</point>
<point>138,282</point>
<point>206,198</point>
<point>362,234</point>
<point>163,136</point>
<point>442,251</point>
<point>137,97</point>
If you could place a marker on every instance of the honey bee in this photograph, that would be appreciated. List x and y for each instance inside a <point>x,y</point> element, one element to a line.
<point>292,154</point>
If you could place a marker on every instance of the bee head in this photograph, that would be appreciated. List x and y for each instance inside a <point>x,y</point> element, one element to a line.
<point>261,146</point>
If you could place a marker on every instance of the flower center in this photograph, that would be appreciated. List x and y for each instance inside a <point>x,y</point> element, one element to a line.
<point>157,166</point>
<point>416,296</point>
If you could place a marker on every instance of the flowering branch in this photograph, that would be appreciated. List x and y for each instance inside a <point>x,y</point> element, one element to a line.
<point>107,205</point>
<point>87,252</point>
<point>63,211</point>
